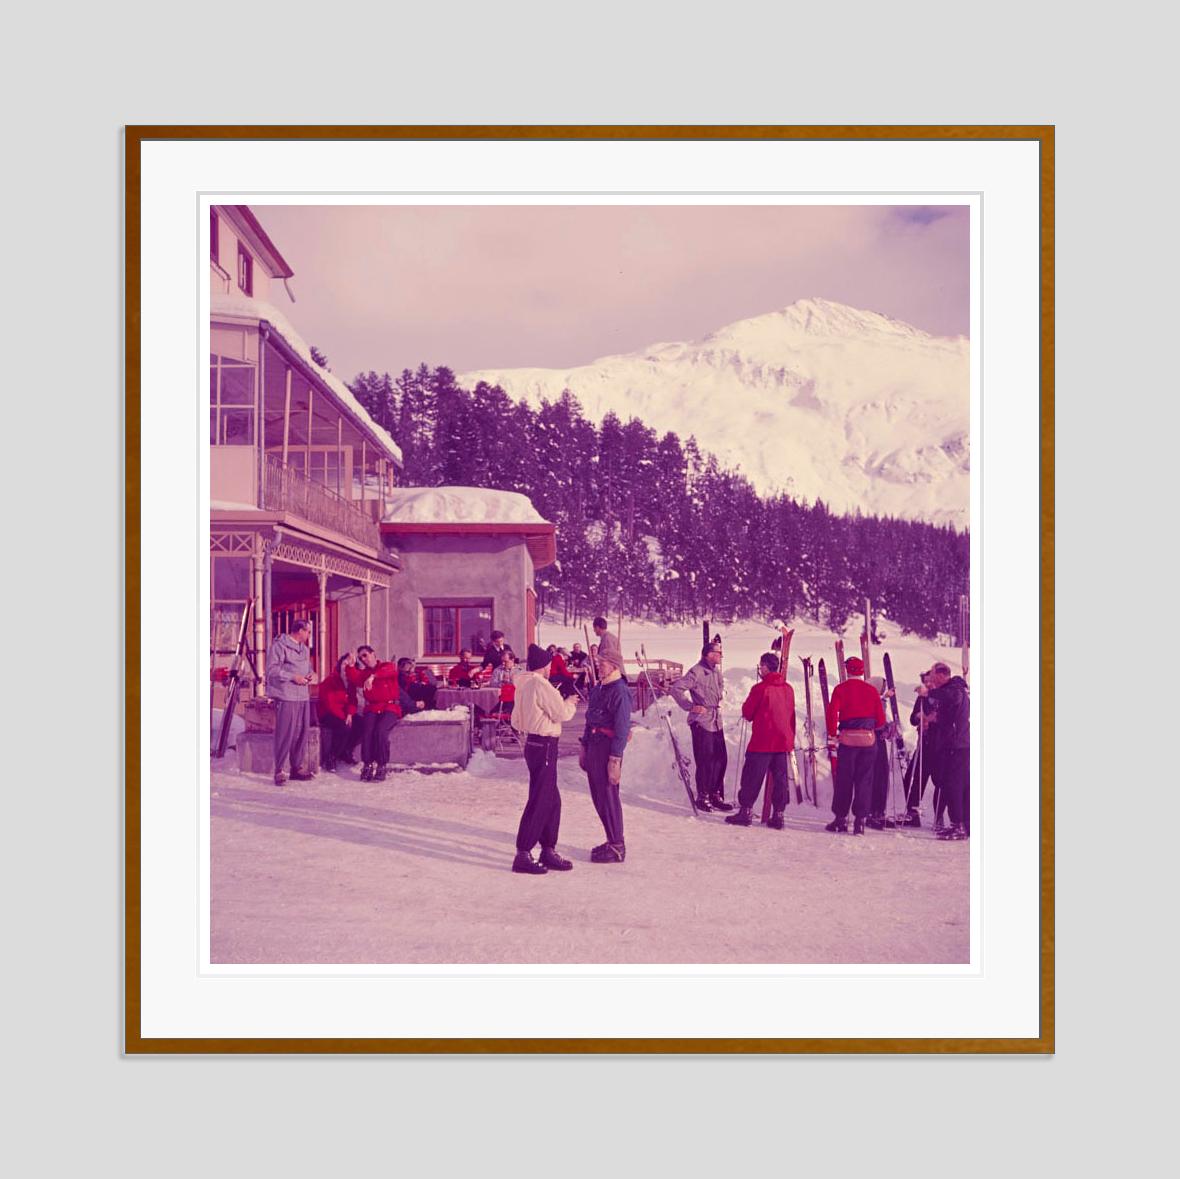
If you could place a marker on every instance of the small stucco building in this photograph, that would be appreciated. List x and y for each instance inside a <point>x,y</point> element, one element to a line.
<point>467,557</point>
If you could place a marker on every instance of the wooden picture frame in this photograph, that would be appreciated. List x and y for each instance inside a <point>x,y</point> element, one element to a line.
<point>138,840</point>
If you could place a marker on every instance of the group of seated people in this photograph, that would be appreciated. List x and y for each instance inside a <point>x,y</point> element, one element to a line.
<point>365,696</point>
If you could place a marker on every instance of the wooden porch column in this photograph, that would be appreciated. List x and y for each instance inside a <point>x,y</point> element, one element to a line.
<point>286,414</point>
<point>339,456</point>
<point>368,611</point>
<point>322,629</point>
<point>259,622</point>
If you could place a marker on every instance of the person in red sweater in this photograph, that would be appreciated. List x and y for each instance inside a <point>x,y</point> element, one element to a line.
<point>377,679</point>
<point>854,715</point>
<point>461,675</point>
<point>339,729</point>
<point>770,709</point>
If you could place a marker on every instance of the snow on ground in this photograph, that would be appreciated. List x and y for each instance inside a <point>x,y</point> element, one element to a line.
<point>416,869</point>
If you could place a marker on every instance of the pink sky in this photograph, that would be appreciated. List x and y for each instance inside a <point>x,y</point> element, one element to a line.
<point>473,287</point>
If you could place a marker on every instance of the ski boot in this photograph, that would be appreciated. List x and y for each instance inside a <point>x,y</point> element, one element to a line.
<point>775,822</point>
<point>703,803</point>
<point>743,818</point>
<point>524,863</point>
<point>380,773</point>
<point>955,831</point>
<point>858,826</point>
<point>608,853</point>
<point>718,803</point>
<point>369,770</point>
<point>555,863</point>
<point>838,827</point>
<point>912,818</point>
<point>301,776</point>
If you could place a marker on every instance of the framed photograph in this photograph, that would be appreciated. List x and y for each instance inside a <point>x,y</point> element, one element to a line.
<point>574,580</point>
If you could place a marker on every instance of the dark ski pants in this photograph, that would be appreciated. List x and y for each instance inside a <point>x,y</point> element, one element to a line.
<point>711,757</point>
<point>375,736</point>
<point>954,778</point>
<point>754,771</point>
<point>337,740</point>
<point>854,780</point>
<point>291,733</point>
<point>424,692</point>
<point>604,796</point>
<point>880,778</point>
<point>915,784</point>
<point>541,819</point>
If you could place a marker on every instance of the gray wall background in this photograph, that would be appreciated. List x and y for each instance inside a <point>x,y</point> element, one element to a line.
<point>1105,83</point>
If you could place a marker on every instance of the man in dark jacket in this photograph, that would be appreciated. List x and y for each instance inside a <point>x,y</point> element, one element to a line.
<point>951,730</point>
<point>496,650</point>
<point>604,741</point>
<point>700,692</point>
<point>416,691</point>
<point>920,767</point>
<point>854,714</point>
<point>770,709</point>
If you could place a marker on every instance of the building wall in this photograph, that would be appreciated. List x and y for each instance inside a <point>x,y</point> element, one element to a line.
<point>227,259</point>
<point>459,567</point>
<point>233,474</point>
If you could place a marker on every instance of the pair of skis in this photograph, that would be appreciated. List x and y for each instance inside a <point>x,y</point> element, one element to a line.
<point>682,763</point>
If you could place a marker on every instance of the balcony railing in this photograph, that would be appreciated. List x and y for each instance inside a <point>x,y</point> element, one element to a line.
<point>288,490</point>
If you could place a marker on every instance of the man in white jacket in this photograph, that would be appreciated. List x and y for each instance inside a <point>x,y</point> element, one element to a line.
<point>538,713</point>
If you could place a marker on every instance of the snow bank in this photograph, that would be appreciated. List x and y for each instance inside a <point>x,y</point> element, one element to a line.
<point>243,306</point>
<point>455,712</point>
<point>460,505</point>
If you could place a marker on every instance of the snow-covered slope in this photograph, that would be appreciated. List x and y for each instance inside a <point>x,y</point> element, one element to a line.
<point>820,400</point>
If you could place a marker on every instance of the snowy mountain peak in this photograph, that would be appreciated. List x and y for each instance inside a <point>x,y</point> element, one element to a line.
<point>818,399</point>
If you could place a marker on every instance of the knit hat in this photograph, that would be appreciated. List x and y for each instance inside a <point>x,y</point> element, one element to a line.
<point>538,657</point>
<point>854,666</point>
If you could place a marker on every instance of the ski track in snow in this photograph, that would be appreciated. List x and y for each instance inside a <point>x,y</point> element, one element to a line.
<point>416,869</point>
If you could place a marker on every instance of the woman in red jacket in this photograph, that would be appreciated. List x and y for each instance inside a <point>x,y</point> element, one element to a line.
<point>770,709</point>
<point>378,681</point>
<point>339,728</point>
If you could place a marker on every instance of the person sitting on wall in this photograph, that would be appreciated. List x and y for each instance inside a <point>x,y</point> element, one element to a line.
<point>378,681</point>
<point>495,652</point>
<point>340,728</point>
<point>288,673</point>
<point>462,674</point>
<point>410,693</point>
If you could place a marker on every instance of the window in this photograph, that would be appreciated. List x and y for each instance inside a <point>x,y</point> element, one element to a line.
<point>214,241</point>
<point>231,401</point>
<point>245,270</point>
<point>448,629</point>
<point>230,582</point>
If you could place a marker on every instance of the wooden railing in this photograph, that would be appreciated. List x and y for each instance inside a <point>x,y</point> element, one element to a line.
<point>288,490</point>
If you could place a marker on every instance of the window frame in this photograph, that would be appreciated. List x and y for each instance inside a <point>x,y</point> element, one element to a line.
<point>245,270</point>
<point>455,606</point>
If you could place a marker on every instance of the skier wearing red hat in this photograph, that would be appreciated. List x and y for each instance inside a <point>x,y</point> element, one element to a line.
<point>855,712</point>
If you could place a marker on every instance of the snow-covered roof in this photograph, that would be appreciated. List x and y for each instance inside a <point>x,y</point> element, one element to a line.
<point>245,307</point>
<point>459,505</point>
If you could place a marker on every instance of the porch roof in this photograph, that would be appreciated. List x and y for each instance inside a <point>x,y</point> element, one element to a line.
<point>245,308</point>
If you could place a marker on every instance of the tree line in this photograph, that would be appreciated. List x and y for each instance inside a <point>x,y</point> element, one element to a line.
<point>649,525</point>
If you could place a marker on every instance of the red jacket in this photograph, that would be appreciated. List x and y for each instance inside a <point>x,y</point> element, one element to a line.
<point>461,671</point>
<point>558,667</point>
<point>854,700</point>
<point>770,707</point>
<point>335,697</point>
<point>382,696</point>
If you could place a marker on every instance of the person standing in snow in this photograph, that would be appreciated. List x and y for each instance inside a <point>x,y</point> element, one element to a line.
<point>770,709</point>
<point>538,713</point>
<point>854,715</point>
<point>915,782</point>
<point>607,645</point>
<point>951,729</point>
<point>288,672</point>
<point>604,741</point>
<point>699,692</point>
<point>880,795</point>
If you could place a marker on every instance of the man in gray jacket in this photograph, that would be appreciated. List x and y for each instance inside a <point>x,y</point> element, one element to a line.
<point>288,672</point>
<point>699,693</point>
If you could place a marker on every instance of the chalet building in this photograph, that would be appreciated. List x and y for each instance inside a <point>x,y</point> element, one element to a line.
<point>306,515</point>
<point>300,475</point>
<point>468,555</point>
